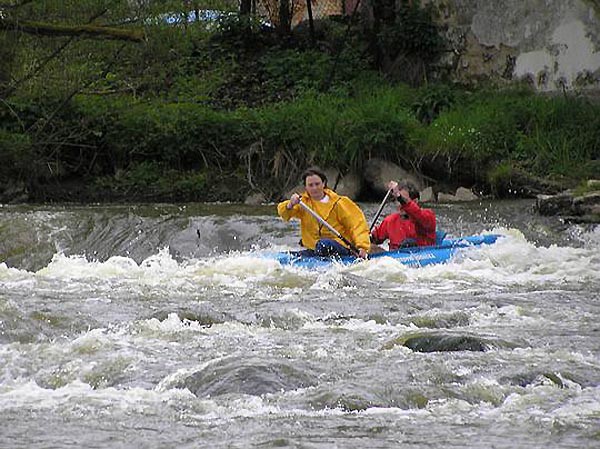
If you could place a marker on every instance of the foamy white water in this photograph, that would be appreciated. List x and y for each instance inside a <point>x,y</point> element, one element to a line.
<point>138,331</point>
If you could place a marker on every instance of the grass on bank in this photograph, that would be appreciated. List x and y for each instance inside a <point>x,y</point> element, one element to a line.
<point>159,149</point>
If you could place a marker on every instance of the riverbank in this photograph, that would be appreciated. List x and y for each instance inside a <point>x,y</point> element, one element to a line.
<point>222,121</point>
<point>501,143</point>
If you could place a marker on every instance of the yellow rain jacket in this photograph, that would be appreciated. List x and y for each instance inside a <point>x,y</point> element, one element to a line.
<point>340,212</point>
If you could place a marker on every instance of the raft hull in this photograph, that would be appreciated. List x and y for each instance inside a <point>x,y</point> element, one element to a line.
<point>414,257</point>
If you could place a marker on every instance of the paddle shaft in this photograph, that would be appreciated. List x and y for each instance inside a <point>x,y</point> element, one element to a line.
<point>387,195</point>
<point>353,248</point>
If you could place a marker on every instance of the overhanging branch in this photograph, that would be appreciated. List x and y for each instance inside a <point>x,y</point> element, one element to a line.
<point>90,31</point>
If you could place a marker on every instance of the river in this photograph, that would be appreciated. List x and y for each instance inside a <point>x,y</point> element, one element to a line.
<point>164,326</point>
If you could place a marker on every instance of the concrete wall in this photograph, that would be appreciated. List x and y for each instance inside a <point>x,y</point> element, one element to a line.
<point>550,44</point>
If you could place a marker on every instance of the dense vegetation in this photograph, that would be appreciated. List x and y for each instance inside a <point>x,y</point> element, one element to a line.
<point>213,109</point>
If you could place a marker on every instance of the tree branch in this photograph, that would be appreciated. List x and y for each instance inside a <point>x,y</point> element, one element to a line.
<point>13,86</point>
<point>91,31</point>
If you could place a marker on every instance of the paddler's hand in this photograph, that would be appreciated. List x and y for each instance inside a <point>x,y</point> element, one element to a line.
<point>294,199</point>
<point>392,185</point>
<point>362,253</point>
<point>403,196</point>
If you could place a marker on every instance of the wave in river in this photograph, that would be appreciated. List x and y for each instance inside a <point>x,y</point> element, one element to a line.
<point>511,261</point>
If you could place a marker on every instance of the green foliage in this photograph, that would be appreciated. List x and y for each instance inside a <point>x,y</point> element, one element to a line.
<point>467,139</point>
<point>178,136</point>
<point>18,116</point>
<point>68,11</point>
<point>587,186</point>
<point>499,177</point>
<point>472,138</point>
<point>194,88</point>
<point>16,156</point>
<point>152,180</point>
<point>328,129</point>
<point>431,101</point>
<point>198,102</point>
<point>166,64</point>
<point>239,32</point>
<point>562,137</point>
<point>378,125</point>
<point>33,143</point>
<point>543,135</point>
<point>7,58</point>
<point>412,33</point>
<point>295,70</point>
<point>328,31</point>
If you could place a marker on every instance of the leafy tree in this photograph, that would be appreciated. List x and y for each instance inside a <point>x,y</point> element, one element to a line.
<point>403,37</point>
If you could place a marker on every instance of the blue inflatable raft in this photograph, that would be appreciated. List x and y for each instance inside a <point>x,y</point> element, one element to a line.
<point>415,256</point>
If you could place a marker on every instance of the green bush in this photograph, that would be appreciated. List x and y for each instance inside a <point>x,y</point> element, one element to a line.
<point>158,149</point>
<point>471,139</point>
<point>379,125</point>
<point>236,32</point>
<point>152,180</point>
<point>17,160</point>
<point>296,70</point>
<point>433,100</point>
<point>413,33</point>
<point>562,137</point>
<point>545,136</point>
<point>475,132</point>
<point>178,135</point>
<point>330,129</point>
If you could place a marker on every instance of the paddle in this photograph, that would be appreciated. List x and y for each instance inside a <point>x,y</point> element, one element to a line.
<point>387,195</point>
<point>353,248</point>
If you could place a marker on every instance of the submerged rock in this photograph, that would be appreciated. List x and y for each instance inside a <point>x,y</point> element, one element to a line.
<point>445,343</point>
<point>587,204</point>
<point>204,316</point>
<point>442,342</point>
<point>252,376</point>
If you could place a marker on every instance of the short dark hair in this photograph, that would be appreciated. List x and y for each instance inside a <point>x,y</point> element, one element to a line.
<point>314,171</point>
<point>413,192</point>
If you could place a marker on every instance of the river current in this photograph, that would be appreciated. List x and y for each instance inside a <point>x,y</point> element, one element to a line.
<point>165,326</point>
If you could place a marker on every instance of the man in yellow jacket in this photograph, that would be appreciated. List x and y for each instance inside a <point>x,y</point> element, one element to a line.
<point>339,211</point>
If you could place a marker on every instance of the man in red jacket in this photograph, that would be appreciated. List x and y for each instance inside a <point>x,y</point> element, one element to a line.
<point>411,225</point>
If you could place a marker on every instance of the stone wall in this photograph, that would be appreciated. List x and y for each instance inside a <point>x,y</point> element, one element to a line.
<point>553,45</point>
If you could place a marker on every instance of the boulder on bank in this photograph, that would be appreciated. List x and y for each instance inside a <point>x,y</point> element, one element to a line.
<point>462,194</point>
<point>255,199</point>
<point>427,195</point>
<point>378,173</point>
<point>521,183</point>
<point>554,204</point>
<point>14,193</point>
<point>573,206</point>
<point>587,204</point>
<point>348,185</point>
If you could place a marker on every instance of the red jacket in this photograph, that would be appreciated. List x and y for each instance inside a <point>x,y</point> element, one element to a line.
<point>420,226</point>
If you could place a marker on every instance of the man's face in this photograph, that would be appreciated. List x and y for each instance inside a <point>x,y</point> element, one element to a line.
<point>314,186</point>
